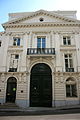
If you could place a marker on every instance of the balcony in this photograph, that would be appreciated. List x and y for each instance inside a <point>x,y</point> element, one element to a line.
<point>41,51</point>
<point>12,70</point>
<point>69,69</point>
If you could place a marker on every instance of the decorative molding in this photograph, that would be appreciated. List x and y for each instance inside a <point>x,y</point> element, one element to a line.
<point>15,49</point>
<point>44,24</point>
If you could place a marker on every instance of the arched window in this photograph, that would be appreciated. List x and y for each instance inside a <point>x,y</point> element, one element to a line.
<point>71,90</point>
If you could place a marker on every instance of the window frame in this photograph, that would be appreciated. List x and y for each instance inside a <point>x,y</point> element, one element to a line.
<point>66,40</point>
<point>68,60</point>
<point>41,41</point>
<point>71,86</point>
<point>16,41</point>
<point>14,59</point>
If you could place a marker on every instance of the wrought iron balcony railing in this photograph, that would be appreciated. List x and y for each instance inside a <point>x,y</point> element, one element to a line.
<point>32,51</point>
<point>69,69</point>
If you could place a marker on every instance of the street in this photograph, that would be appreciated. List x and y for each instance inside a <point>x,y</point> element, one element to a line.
<point>43,117</point>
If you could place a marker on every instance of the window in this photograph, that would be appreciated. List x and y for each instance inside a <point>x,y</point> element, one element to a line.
<point>0,43</point>
<point>14,62</point>
<point>16,41</point>
<point>71,90</point>
<point>66,40</point>
<point>41,19</point>
<point>68,61</point>
<point>41,42</point>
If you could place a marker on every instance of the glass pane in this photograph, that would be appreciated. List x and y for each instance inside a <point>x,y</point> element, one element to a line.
<point>43,45</point>
<point>39,40</point>
<point>64,42</point>
<point>0,43</point>
<point>38,45</point>
<point>43,42</point>
<point>16,56</point>
<point>71,63</point>
<point>74,91</point>
<point>18,41</point>
<point>43,39</point>
<point>67,90</point>
<point>14,39</point>
<point>66,56</point>
<point>70,56</point>
<point>64,38</point>
<point>68,38</point>
<point>14,42</point>
<point>69,42</point>
<point>66,63</point>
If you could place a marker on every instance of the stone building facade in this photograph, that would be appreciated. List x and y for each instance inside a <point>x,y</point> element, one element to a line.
<point>40,59</point>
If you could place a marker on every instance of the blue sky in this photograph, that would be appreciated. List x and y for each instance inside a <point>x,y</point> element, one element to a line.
<point>12,6</point>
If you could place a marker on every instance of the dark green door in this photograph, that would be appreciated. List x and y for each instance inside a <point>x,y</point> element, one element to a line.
<point>11,90</point>
<point>41,86</point>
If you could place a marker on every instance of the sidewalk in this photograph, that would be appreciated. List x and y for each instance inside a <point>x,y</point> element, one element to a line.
<point>37,109</point>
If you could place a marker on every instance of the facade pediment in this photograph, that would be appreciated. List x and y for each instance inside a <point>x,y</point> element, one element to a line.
<point>42,18</point>
<point>46,17</point>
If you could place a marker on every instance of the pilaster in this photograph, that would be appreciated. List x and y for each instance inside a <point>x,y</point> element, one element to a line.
<point>58,54</point>
<point>2,88</point>
<point>28,89</point>
<point>24,54</point>
<point>53,90</point>
<point>77,37</point>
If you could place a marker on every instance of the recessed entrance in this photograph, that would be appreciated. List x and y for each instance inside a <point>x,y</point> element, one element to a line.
<point>11,90</point>
<point>41,86</point>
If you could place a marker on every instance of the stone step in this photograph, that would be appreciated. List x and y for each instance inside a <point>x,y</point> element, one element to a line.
<point>9,105</point>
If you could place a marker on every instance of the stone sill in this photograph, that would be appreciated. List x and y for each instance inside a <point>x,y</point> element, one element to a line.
<point>67,47</point>
<point>20,48</point>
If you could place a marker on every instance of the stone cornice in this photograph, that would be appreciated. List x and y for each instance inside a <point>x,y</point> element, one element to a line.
<point>44,24</point>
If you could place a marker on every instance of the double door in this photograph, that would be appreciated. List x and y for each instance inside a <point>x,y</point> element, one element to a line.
<point>41,90</point>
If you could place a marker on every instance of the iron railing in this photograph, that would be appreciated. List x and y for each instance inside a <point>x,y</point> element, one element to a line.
<point>32,51</point>
<point>69,69</point>
<point>12,70</point>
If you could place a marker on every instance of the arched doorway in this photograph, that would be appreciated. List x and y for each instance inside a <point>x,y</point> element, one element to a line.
<point>41,86</point>
<point>11,90</point>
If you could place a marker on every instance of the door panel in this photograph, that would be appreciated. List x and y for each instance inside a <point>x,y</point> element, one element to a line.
<point>35,91</point>
<point>11,91</point>
<point>47,91</point>
<point>41,89</point>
